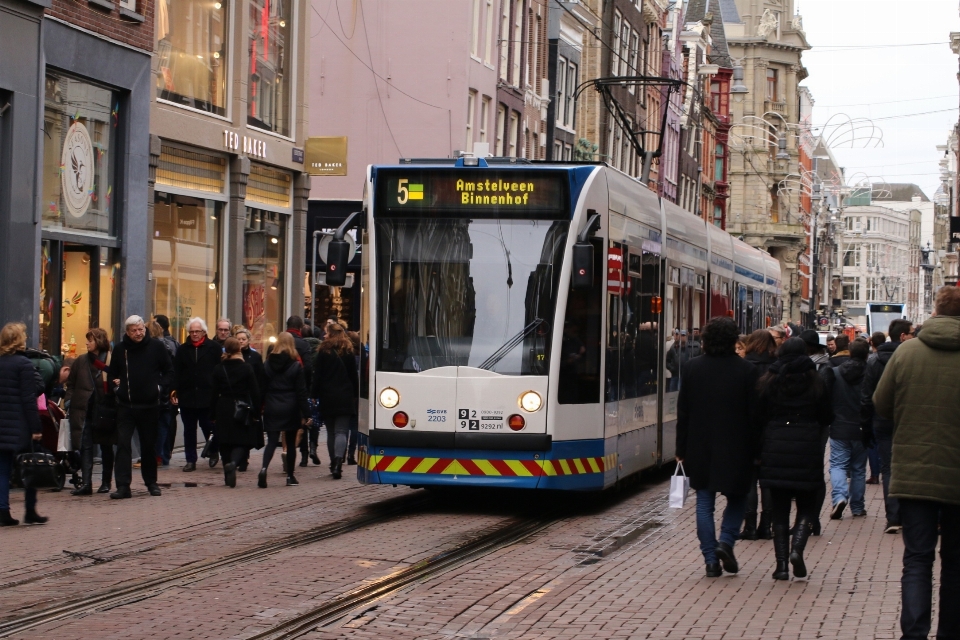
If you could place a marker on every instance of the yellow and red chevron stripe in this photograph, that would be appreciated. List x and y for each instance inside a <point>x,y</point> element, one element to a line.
<point>486,467</point>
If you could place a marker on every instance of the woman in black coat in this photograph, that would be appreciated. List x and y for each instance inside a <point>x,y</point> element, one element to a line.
<point>760,349</point>
<point>86,386</point>
<point>19,417</point>
<point>234,381</point>
<point>717,438</point>
<point>285,407</point>
<point>796,413</point>
<point>336,385</point>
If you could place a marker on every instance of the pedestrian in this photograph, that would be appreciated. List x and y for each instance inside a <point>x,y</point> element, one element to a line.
<point>877,429</point>
<point>878,339</point>
<point>253,358</point>
<point>741,347</point>
<point>796,414</point>
<point>354,440</point>
<point>140,371</point>
<point>306,441</point>
<point>235,405</point>
<point>779,335</point>
<point>223,330</point>
<point>816,351</point>
<point>87,386</point>
<point>760,350</point>
<point>678,355</point>
<point>168,420</point>
<point>918,392</point>
<point>831,345</point>
<point>847,453</point>
<point>20,386</point>
<point>842,353</point>
<point>314,431</point>
<point>196,359</point>
<point>285,408</point>
<point>336,385</point>
<point>717,439</point>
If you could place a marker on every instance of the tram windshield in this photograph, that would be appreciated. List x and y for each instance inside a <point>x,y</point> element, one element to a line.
<point>467,292</point>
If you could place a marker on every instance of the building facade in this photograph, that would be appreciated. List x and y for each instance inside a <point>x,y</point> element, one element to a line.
<point>228,190</point>
<point>74,155</point>
<point>767,37</point>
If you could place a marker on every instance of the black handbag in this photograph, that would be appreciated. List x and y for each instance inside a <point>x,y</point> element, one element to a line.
<point>38,470</point>
<point>242,409</point>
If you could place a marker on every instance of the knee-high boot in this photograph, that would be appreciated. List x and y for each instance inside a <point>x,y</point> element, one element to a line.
<point>797,545</point>
<point>749,526</point>
<point>781,547</point>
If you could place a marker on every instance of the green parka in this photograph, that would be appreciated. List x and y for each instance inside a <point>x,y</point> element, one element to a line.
<point>919,391</point>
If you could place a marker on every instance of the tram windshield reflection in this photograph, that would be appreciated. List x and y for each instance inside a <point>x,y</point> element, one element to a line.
<point>453,291</point>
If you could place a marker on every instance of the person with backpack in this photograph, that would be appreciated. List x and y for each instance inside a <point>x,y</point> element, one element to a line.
<point>235,405</point>
<point>847,453</point>
<point>336,385</point>
<point>285,407</point>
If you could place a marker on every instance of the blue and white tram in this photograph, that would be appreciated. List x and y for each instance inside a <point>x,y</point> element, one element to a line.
<point>518,319</point>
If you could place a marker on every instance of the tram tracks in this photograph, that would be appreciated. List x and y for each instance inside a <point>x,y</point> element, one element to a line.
<point>336,608</point>
<point>144,589</point>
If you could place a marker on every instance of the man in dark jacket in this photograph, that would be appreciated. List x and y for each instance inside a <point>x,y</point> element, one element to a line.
<point>918,390</point>
<point>306,353</point>
<point>842,354</point>
<point>196,359</point>
<point>167,430</point>
<point>873,426</point>
<point>141,371</point>
<point>717,438</point>
<point>847,452</point>
<point>679,355</point>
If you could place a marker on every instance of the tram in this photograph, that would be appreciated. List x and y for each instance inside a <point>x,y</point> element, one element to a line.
<point>518,319</point>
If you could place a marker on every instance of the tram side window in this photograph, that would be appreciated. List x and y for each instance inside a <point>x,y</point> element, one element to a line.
<point>580,349</point>
<point>633,346</point>
<point>646,313</point>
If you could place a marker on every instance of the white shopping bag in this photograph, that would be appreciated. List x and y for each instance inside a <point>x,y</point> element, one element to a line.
<point>63,438</point>
<point>679,487</point>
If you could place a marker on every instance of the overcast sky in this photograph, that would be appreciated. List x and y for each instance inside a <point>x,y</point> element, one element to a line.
<point>858,66</point>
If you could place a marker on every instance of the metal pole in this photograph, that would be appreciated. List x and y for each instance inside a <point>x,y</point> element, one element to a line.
<point>313,282</point>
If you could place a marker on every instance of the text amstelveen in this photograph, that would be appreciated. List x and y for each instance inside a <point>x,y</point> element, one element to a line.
<point>494,192</point>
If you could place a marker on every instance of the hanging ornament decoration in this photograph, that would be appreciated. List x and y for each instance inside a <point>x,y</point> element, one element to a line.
<point>76,181</point>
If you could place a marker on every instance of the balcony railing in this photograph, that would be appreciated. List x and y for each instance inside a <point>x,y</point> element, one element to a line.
<point>776,107</point>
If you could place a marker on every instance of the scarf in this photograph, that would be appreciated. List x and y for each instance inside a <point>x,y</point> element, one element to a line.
<point>196,343</point>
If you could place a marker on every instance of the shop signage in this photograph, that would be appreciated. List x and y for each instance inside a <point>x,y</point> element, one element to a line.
<point>76,170</point>
<point>955,229</point>
<point>326,156</point>
<point>244,144</point>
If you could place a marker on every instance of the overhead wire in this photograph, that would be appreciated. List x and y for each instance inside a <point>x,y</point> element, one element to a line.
<point>366,37</point>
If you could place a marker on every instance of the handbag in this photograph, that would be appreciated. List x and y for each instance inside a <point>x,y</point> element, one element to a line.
<point>64,441</point>
<point>38,470</point>
<point>242,409</point>
<point>679,487</point>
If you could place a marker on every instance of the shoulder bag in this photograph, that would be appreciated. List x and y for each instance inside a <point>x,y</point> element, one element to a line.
<point>242,409</point>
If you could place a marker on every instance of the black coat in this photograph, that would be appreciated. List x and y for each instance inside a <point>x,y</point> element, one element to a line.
<point>717,435</point>
<point>150,373</point>
<point>336,384</point>
<point>843,384</point>
<point>305,351</point>
<point>194,367</point>
<point>84,389</point>
<point>761,361</point>
<point>19,416</point>
<point>235,380</point>
<point>255,360</point>
<point>796,415</point>
<point>871,378</point>
<point>285,400</point>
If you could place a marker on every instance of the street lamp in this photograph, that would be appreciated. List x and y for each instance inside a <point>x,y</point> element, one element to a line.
<point>738,86</point>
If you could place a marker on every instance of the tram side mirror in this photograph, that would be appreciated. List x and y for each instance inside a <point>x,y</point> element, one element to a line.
<point>582,277</point>
<point>337,255</point>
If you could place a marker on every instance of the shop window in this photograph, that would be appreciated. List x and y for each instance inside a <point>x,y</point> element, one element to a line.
<point>186,259</point>
<point>264,261</point>
<point>192,53</point>
<point>191,169</point>
<point>268,91</point>
<point>79,132</point>
<point>269,186</point>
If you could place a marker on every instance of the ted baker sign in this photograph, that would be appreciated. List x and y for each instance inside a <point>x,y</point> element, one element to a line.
<point>250,146</point>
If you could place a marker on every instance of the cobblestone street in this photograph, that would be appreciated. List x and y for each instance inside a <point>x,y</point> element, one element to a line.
<point>623,565</point>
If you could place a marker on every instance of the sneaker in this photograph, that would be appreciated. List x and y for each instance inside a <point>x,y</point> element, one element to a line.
<point>838,508</point>
<point>892,528</point>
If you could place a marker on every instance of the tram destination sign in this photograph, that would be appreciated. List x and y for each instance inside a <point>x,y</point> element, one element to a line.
<point>465,192</point>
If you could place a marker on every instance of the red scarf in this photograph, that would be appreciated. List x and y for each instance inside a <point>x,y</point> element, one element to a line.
<point>295,332</point>
<point>197,344</point>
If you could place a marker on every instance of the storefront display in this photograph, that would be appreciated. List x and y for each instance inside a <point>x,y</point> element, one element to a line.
<point>79,125</point>
<point>192,53</point>
<point>264,260</point>
<point>269,84</point>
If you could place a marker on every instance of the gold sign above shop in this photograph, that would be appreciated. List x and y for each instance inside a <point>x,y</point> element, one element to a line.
<point>244,144</point>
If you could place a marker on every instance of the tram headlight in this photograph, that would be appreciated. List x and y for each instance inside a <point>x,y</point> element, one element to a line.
<point>530,401</point>
<point>389,398</point>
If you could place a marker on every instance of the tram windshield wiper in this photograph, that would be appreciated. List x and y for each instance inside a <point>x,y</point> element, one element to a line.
<point>510,345</point>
